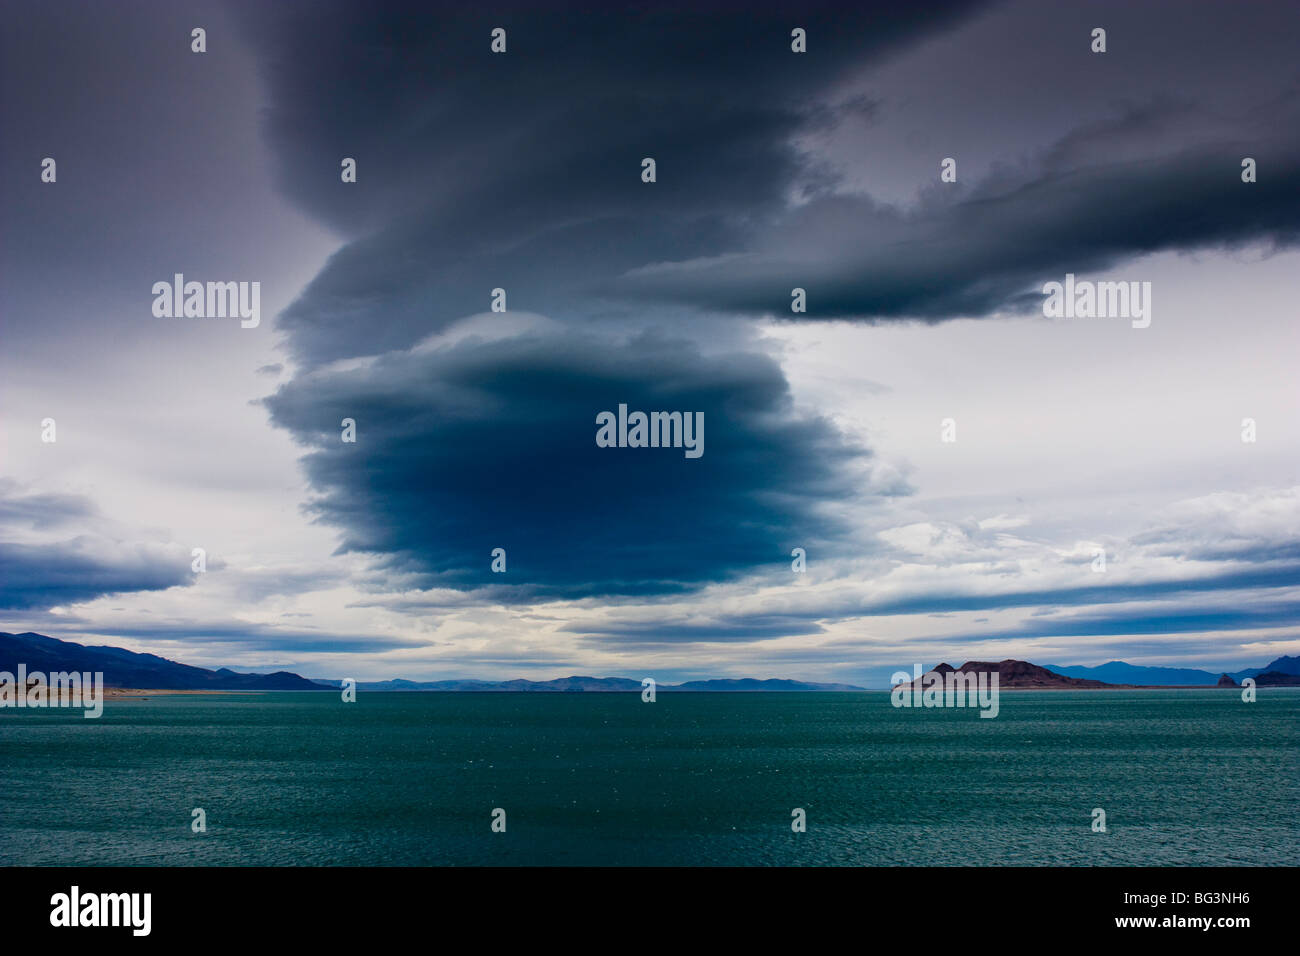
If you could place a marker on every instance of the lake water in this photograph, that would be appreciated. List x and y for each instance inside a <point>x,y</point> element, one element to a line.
<point>1185,778</point>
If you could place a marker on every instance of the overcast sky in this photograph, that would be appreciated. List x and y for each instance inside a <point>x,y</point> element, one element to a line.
<point>476,429</point>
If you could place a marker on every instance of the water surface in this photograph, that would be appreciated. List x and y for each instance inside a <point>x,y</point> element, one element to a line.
<point>1186,777</point>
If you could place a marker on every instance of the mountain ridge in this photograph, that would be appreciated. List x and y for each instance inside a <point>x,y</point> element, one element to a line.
<point>133,670</point>
<point>581,684</point>
<point>1126,673</point>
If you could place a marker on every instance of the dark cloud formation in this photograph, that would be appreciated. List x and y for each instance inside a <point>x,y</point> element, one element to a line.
<point>523,170</point>
<point>38,574</point>
<point>492,443</point>
<point>1081,208</point>
<point>736,628</point>
<point>80,569</point>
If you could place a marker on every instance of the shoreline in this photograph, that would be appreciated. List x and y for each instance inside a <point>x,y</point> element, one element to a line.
<point>140,692</point>
<point>127,692</point>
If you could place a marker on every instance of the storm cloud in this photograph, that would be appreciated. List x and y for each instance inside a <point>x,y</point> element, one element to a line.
<point>523,170</point>
<point>59,549</point>
<point>83,568</point>
<point>485,443</point>
<point>476,429</point>
<point>992,247</point>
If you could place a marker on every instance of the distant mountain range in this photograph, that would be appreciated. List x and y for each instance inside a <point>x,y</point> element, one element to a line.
<point>1119,672</point>
<point>123,668</point>
<point>127,669</point>
<point>591,684</point>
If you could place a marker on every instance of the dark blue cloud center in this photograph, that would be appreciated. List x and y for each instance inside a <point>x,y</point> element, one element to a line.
<point>493,444</point>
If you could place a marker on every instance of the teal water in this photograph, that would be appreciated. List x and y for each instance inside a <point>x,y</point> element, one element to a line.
<point>1185,777</point>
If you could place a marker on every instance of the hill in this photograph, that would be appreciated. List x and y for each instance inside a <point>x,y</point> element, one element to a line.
<point>1020,675</point>
<point>123,668</point>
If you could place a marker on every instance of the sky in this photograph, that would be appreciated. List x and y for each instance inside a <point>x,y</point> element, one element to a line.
<point>950,460</point>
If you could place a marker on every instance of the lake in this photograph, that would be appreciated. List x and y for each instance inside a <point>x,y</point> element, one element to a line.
<point>1185,777</point>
